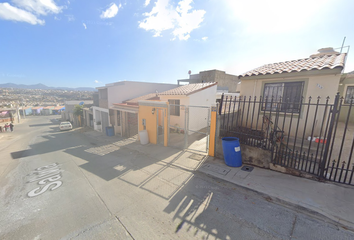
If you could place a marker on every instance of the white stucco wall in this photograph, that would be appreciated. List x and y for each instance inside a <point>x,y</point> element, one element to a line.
<point>198,117</point>
<point>97,117</point>
<point>122,91</point>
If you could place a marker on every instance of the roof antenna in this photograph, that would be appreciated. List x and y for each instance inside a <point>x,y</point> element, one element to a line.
<point>341,49</point>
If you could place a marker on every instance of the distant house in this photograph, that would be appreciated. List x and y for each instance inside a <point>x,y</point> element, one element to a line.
<point>196,94</point>
<point>125,120</point>
<point>26,111</point>
<point>58,109</point>
<point>68,113</point>
<point>118,92</point>
<point>37,110</point>
<point>48,110</point>
<point>7,115</point>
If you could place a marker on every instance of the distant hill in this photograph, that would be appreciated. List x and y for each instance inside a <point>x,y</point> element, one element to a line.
<point>43,87</point>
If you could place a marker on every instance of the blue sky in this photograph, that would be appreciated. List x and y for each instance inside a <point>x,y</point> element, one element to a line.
<point>75,43</point>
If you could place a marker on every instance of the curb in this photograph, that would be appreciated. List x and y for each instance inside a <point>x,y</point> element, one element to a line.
<point>293,206</point>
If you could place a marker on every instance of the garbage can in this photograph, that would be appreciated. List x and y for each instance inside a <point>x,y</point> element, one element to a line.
<point>232,151</point>
<point>110,131</point>
<point>144,137</point>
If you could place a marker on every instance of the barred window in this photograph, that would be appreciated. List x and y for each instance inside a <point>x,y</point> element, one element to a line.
<point>174,107</point>
<point>286,96</point>
<point>349,95</point>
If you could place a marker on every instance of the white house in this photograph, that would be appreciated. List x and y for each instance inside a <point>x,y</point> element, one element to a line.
<point>192,96</point>
<point>107,115</point>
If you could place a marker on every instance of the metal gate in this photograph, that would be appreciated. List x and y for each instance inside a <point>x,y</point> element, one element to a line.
<point>189,127</point>
<point>310,136</point>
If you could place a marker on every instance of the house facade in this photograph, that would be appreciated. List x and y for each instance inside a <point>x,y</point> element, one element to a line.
<point>286,87</point>
<point>114,93</point>
<point>196,94</point>
<point>346,90</point>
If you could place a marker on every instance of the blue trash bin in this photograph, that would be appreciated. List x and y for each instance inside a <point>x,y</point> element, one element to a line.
<point>110,131</point>
<point>232,151</point>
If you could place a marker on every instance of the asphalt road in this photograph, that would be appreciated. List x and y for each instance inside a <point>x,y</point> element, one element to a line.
<point>66,185</point>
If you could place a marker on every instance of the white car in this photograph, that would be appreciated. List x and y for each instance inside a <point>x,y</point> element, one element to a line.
<point>65,126</point>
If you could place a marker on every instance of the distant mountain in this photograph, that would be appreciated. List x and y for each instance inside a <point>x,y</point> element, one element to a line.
<point>43,87</point>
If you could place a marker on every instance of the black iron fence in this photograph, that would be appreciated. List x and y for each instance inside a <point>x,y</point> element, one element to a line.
<point>314,136</point>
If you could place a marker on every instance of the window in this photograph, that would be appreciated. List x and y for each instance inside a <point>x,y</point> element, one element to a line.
<point>288,93</point>
<point>349,95</point>
<point>174,107</point>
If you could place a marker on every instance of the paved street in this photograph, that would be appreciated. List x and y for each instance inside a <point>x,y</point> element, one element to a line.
<point>71,185</point>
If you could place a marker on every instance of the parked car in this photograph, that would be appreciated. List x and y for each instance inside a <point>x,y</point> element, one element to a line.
<point>65,126</point>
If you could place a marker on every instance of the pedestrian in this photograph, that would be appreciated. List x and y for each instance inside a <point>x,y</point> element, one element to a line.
<point>11,127</point>
<point>0,129</point>
<point>6,127</point>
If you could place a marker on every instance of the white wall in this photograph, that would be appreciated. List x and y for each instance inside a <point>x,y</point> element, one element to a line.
<point>198,117</point>
<point>122,91</point>
<point>97,117</point>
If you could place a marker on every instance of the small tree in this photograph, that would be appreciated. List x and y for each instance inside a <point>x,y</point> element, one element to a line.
<point>78,112</point>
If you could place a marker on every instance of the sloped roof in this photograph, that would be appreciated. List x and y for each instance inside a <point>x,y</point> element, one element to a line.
<point>36,108</point>
<point>59,107</point>
<point>188,89</point>
<point>150,96</point>
<point>312,63</point>
<point>49,107</point>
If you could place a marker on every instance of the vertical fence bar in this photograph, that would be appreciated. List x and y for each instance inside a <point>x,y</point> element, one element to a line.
<point>334,134</point>
<point>303,134</point>
<point>221,102</point>
<point>343,140</point>
<point>243,109</point>
<point>313,128</point>
<point>248,110</point>
<point>296,131</point>
<point>228,114</point>
<point>330,130</point>
<point>269,121</point>
<point>254,102</point>
<point>233,113</point>
<point>350,157</point>
<point>287,141</point>
<point>224,122</point>
<point>238,111</point>
<point>318,145</point>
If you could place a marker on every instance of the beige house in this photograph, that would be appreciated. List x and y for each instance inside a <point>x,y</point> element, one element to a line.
<point>317,76</point>
<point>346,90</point>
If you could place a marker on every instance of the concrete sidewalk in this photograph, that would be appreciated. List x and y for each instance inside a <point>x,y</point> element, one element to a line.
<point>326,201</point>
<point>333,201</point>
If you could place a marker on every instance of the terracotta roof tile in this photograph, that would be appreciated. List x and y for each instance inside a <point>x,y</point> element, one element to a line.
<point>306,64</point>
<point>188,89</point>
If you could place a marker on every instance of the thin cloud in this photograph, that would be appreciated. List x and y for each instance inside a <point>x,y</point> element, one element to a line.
<point>182,19</point>
<point>8,12</point>
<point>147,2</point>
<point>96,81</point>
<point>111,11</point>
<point>204,38</point>
<point>84,25</point>
<point>39,7</point>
